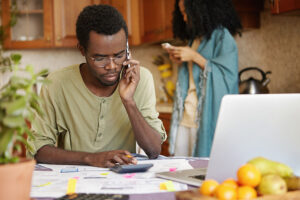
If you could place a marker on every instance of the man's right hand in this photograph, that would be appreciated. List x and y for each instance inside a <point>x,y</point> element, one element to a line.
<point>110,158</point>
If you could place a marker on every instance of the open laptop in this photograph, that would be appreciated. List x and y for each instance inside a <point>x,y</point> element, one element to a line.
<point>248,126</point>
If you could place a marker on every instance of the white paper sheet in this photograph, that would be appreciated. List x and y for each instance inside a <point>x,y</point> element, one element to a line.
<point>101,180</point>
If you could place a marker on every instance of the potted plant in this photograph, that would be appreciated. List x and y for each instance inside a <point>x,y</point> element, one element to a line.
<point>18,103</point>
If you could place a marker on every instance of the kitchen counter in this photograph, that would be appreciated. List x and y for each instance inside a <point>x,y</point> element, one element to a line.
<point>164,107</point>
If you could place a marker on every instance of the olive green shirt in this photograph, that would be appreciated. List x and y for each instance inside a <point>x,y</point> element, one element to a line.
<point>76,119</point>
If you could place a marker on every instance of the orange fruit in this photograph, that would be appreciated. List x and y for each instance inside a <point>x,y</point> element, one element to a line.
<point>231,182</point>
<point>248,175</point>
<point>226,192</point>
<point>246,192</point>
<point>208,187</point>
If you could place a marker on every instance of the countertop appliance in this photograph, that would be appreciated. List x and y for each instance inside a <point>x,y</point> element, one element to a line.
<point>252,85</point>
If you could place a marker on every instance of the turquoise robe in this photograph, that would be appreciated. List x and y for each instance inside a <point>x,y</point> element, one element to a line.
<point>220,77</point>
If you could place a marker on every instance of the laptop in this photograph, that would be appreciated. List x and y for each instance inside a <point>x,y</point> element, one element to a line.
<point>248,126</point>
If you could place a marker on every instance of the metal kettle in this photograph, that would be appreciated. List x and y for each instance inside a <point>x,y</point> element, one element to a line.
<point>252,85</point>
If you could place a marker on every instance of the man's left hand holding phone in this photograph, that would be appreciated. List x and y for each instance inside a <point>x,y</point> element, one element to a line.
<point>130,77</point>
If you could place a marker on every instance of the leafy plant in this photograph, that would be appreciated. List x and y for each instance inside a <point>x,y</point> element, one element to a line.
<point>18,103</point>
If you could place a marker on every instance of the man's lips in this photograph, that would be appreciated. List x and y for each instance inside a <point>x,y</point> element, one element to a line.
<point>111,76</point>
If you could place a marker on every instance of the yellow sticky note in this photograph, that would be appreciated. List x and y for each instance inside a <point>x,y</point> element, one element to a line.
<point>106,173</point>
<point>170,186</point>
<point>162,186</point>
<point>71,186</point>
<point>45,184</point>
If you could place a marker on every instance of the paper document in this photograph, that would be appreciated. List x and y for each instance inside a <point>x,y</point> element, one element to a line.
<point>101,180</point>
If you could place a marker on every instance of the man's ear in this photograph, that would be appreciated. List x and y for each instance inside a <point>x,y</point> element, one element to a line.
<point>81,49</point>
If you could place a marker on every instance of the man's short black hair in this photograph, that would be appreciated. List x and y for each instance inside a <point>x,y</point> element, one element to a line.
<point>103,19</point>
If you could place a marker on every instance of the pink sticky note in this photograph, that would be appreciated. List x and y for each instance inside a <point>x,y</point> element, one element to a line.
<point>172,169</point>
<point>129,175</point>
<point>76,177</point>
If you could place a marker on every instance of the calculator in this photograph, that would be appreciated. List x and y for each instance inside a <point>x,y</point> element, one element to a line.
<point>131,168</point>
<point>85,196</point>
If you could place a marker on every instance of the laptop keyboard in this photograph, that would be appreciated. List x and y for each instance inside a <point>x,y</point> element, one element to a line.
<point>84,196</point>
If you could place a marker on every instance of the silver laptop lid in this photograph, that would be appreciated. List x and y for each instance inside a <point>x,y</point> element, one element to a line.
<point>248,126</point>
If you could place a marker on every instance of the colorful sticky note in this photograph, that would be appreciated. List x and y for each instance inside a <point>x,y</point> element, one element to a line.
<point>129,175</point>
<point>172,169</point>
<point>169,186</point>
<point>162,186</point>
<point>104,174</point>
<point>71,186</point>
<point>45,184</point>
<point>69,169</point>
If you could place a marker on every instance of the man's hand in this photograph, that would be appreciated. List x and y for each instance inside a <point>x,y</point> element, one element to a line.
<point>110,158</point>
<point>53,155</point>
<point>129,81</point>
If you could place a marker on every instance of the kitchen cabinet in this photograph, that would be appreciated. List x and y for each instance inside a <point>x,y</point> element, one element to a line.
<point>34,24</point>
<point>249,12</point>
<point>166,119</point>
<point>52,23</point>
<point>280,6</point>
<point>150,21</point>
<point>65,16</point>
<point>43,24</point>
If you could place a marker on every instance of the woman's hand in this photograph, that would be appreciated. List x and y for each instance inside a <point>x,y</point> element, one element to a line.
<point>185,54</point>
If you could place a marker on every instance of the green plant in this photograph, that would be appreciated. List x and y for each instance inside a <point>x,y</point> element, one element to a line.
<point>18,103</point>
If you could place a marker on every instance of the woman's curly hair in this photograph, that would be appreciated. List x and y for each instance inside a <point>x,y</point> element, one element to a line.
<point>103,19</point>
<point>204,16</point>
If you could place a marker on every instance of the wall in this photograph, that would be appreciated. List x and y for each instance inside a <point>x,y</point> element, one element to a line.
<point>275,47</point>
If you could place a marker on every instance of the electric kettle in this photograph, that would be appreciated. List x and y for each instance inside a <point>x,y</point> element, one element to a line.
<point>252,85</point>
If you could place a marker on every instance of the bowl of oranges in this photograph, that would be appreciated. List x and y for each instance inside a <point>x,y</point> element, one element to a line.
<point>248,177</point>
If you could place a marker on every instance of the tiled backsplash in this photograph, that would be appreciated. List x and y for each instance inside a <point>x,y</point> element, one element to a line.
<point>275,47</point>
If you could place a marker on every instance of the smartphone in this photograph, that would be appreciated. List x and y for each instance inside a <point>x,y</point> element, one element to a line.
<point>166,45</point>
<point>127,53</point>
<point>131,168</point>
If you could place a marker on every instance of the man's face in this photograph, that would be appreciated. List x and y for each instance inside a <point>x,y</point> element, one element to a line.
<point>105,55</point>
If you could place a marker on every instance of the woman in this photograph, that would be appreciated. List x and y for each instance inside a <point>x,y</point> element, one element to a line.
<point>208,71</point>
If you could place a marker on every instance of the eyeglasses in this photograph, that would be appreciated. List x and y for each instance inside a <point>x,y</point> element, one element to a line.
<point>102,61</point>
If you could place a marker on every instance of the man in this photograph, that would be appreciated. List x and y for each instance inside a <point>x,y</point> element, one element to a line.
<point>94,113</point>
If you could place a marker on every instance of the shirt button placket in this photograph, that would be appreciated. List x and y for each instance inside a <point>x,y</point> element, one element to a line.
<point>101,121</point>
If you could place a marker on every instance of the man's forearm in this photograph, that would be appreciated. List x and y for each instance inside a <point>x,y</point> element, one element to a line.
<point>54,155</point>
<point>148,138</point>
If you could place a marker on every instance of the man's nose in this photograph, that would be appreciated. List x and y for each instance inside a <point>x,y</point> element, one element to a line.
<point>111,64</point>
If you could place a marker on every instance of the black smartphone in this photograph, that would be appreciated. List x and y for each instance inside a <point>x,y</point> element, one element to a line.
<point>131,168</point>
